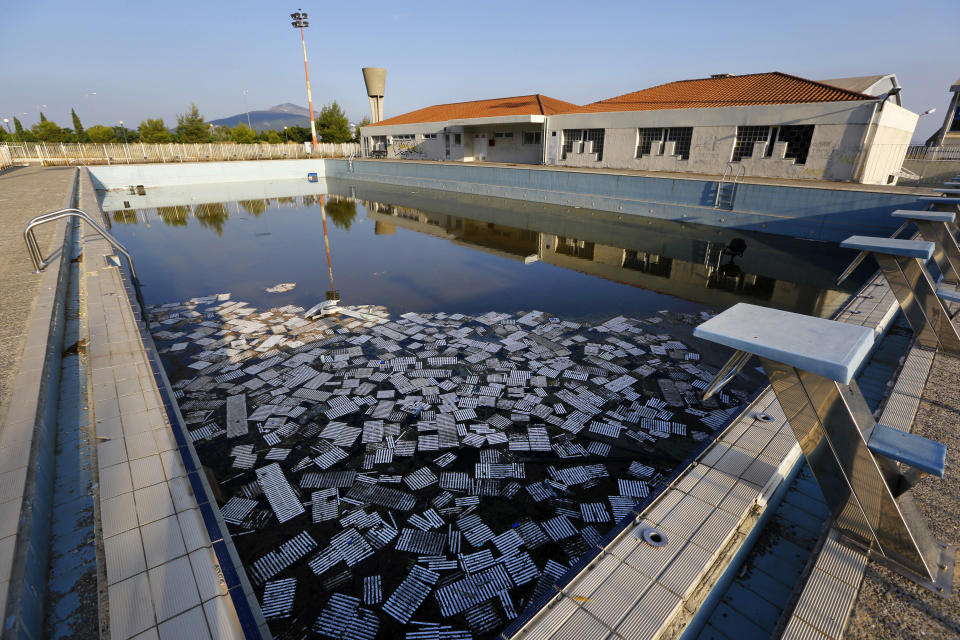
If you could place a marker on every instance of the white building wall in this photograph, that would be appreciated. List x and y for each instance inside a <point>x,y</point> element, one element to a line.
<point>502,150</point>
<point>890,139</point>
<point>845,145</point>
<point>834,153</point>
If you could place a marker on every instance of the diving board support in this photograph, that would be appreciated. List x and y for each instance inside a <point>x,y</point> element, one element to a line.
<point>937,227</point>
<point>903,263</point>
<point>811,363</point>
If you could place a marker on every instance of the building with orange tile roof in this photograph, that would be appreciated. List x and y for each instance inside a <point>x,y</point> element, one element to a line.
<point>495,130</point>
<point>760,125</point>
<point>766,124</point>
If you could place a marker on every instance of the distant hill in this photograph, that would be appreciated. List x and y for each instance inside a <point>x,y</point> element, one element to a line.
<point>276,117</point>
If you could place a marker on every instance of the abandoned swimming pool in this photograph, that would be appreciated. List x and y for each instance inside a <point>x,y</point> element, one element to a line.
<point>485,388</point>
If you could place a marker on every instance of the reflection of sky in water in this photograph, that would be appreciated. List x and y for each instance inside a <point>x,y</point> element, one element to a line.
<point>245,247</point>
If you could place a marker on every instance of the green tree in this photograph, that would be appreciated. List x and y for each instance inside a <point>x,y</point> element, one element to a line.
<point>43,118</point>
<point>191,127</point>
<point>100,134</point>
<point>363,123</point>
<point>154,130</point>
<point>299,134</point>
<point>77,127</point>
<point>242,134</point>
<point>274,138</point>
<point>47,131</point>
<point>18,127</point>
<point>332,125</point>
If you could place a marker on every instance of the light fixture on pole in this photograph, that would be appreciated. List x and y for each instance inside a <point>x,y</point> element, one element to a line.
<point>123,130</point>
<point>246,105</point>
<point>300,22</point>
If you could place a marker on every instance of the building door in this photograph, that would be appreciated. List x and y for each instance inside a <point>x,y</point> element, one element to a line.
<point>479,147</point>
<point>553,148</point>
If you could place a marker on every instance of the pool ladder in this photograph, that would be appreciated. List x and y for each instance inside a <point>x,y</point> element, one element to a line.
<point>33,247</point>
<point>727,190</point>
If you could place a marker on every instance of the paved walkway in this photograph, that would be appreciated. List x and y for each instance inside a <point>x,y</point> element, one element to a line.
<point>24,193</point>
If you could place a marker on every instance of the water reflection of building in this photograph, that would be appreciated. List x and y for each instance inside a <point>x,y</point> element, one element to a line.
<point>668,258</point>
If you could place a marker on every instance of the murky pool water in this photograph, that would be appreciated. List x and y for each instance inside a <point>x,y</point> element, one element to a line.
<point>501,385</point>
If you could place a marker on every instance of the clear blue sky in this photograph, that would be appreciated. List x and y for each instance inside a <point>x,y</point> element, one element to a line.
<point>152,59</point>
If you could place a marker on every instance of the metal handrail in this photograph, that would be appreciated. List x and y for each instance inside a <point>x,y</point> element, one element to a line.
<point>34,248</point>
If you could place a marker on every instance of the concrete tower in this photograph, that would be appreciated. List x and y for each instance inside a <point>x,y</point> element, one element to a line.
<point>376,79</point>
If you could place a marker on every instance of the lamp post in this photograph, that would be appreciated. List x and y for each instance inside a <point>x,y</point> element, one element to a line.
<point>300,22</point>
<point>123,130</point>
<point>246,105</point>
<point>286,135</point>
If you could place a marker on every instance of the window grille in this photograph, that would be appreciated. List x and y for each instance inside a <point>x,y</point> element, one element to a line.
<point>681,136</point>
<point>503,134</point>
<point>797,137</point>
<point>650,142</point>
<point>596,136</point>
<point>583,135</point>
<point>429,136</point>
<point>457,139</point>
<point>531,137</point>
<point>746,138</point>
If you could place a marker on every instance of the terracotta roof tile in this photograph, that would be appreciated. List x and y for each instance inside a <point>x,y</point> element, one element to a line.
<point>728,91</point>
<point>535,104</point>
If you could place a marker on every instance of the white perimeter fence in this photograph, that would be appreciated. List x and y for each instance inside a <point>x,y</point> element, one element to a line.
<point>47,154</point>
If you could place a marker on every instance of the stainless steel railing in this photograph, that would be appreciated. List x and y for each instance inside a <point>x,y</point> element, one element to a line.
<point>33,248</point>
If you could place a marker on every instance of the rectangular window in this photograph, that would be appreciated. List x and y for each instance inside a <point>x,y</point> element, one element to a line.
<point>797,137</point>
<point>407,137</point>
<point>429,136</point>
<point>746,138</point>
<point>571,136</point>
<point>681,137</point>
<point>532,137</point>
<point>503,134</point>
<point>457,139</point>
<point>649,142</point>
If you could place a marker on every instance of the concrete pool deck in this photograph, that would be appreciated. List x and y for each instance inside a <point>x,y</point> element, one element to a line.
<point>160,567</point>
<point>155,533</point>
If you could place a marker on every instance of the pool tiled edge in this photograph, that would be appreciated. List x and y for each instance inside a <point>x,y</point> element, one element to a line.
<point>170,564</point>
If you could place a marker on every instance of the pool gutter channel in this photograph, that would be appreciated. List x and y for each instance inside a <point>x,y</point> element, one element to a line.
<point>240,591</point>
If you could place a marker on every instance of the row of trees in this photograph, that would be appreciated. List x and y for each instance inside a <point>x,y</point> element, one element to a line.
<point>192,127</point>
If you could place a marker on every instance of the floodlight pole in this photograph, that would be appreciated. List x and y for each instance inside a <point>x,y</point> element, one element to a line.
<point>299,22</point>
